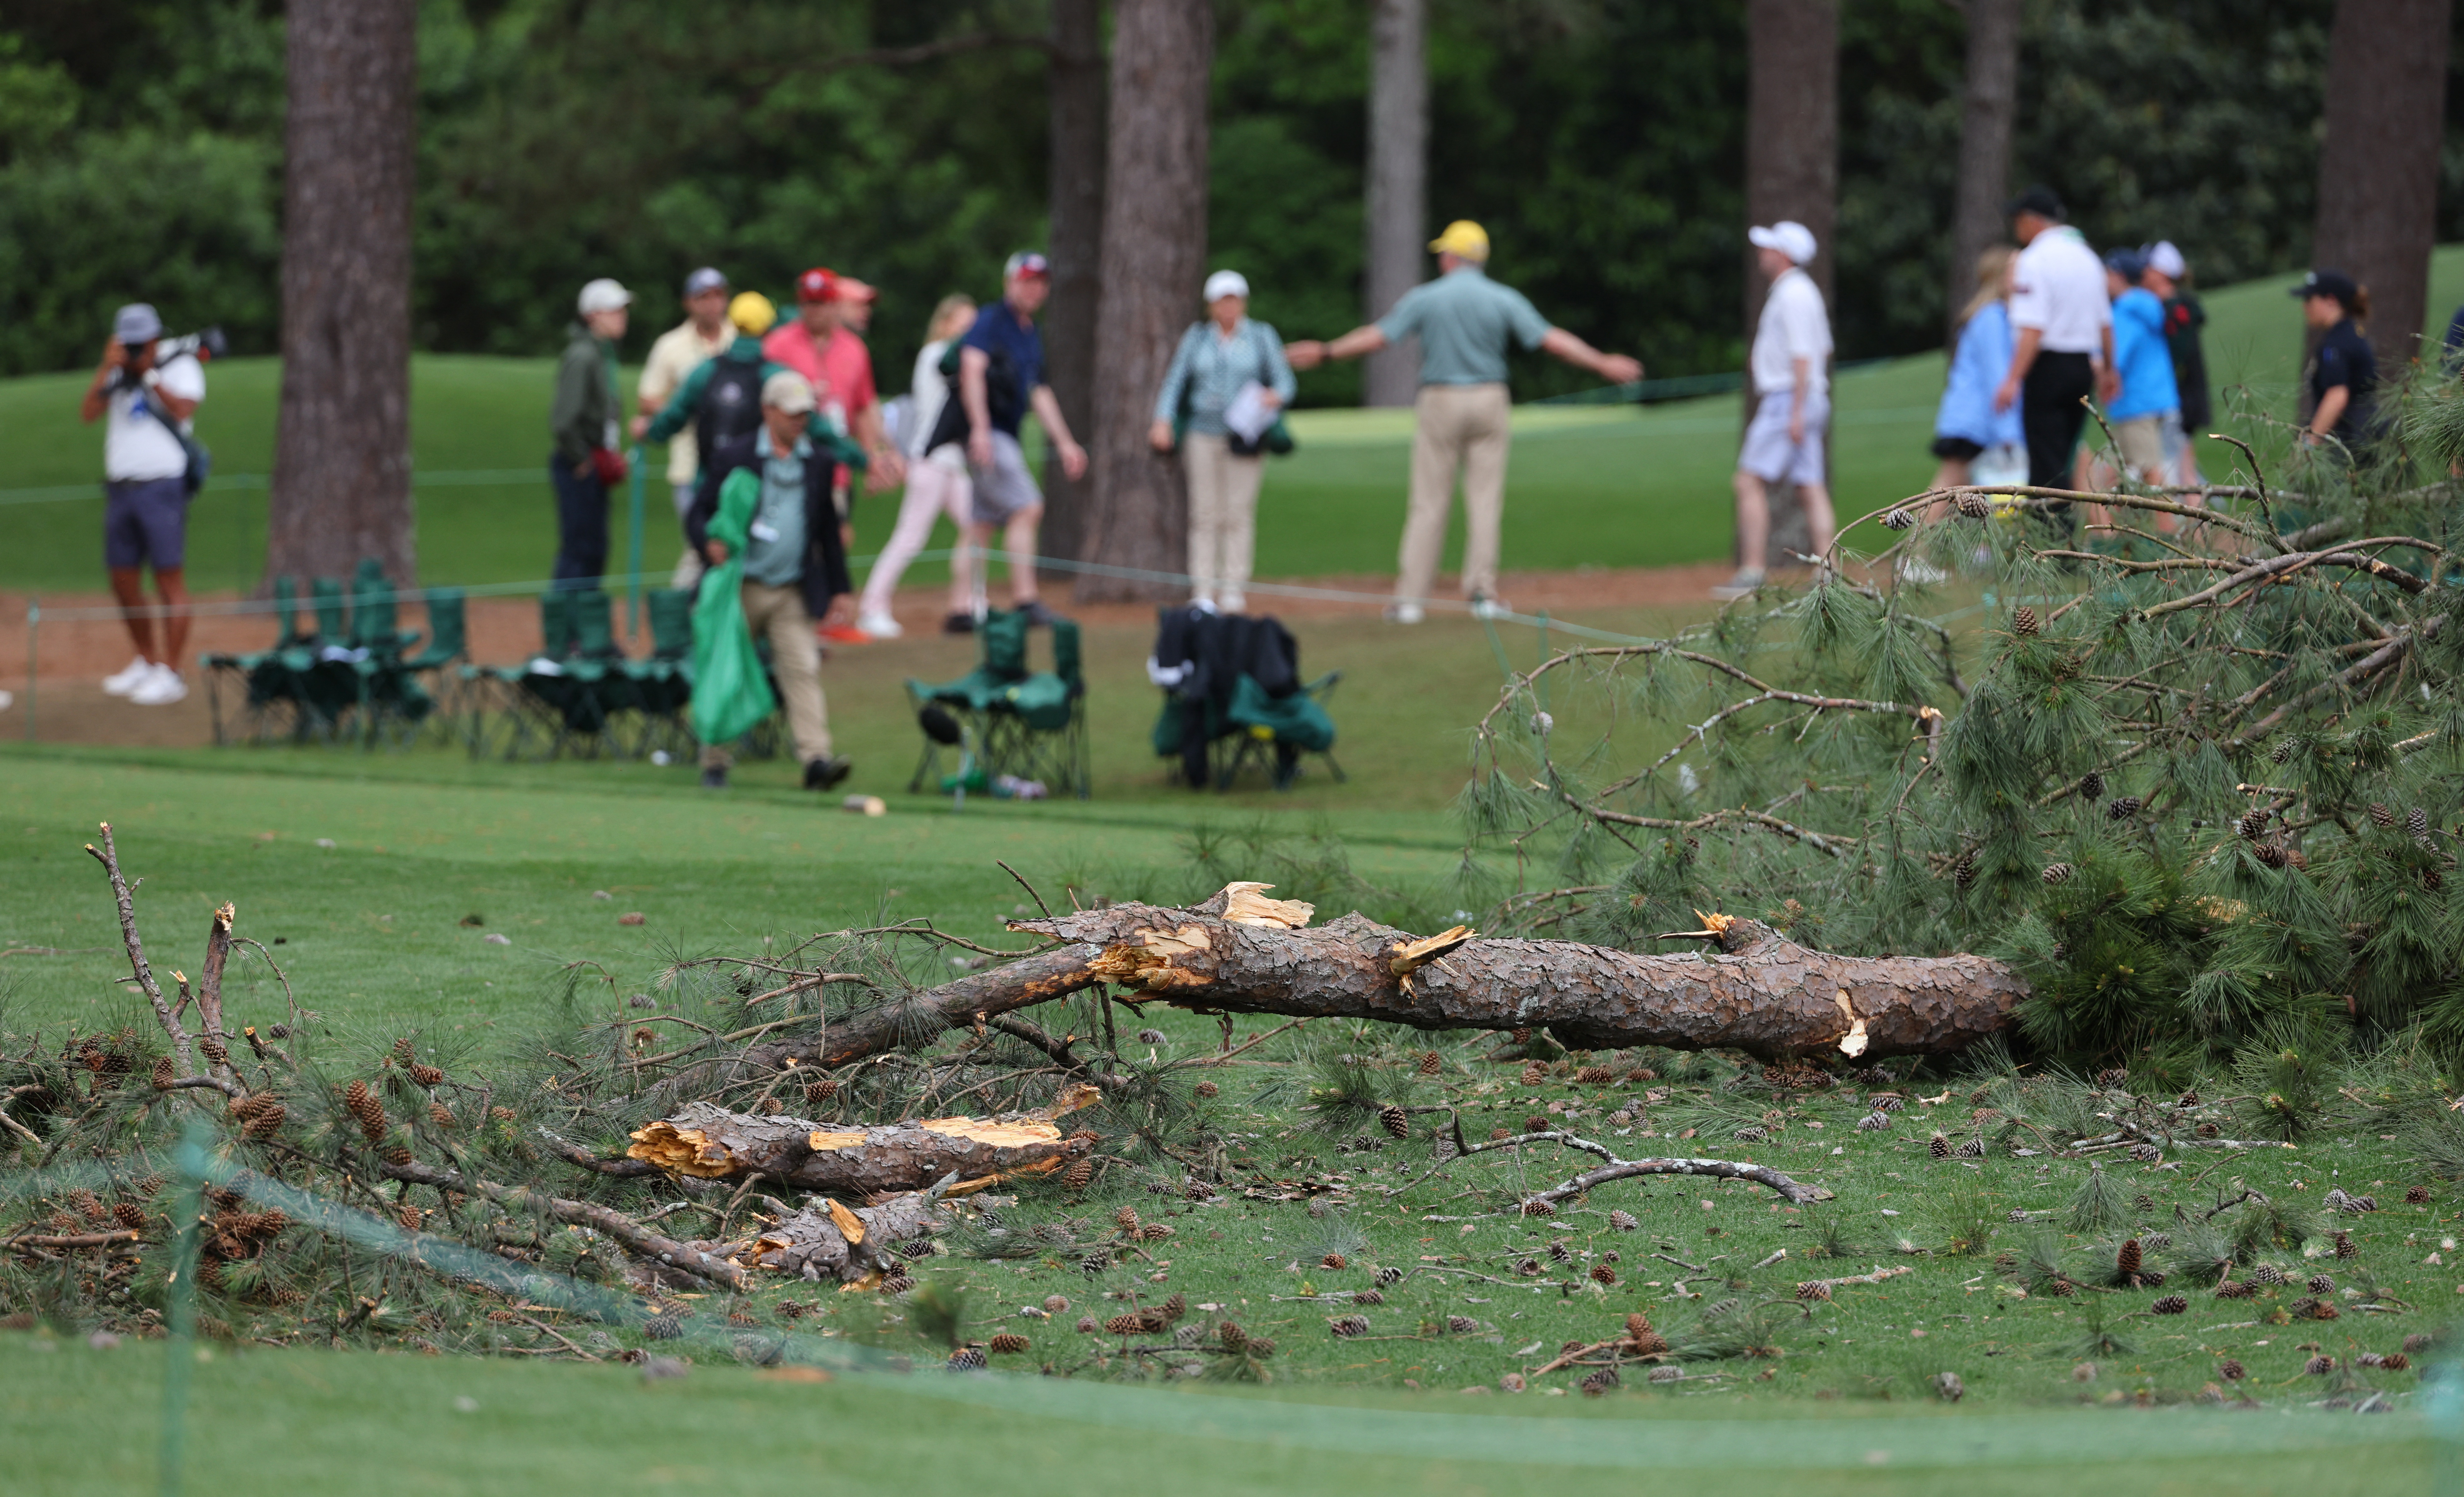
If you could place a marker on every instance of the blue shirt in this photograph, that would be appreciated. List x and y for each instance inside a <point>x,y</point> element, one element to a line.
<point>1209,369</point>
<point>1464,319</point>
<point>2142,358</point>
<point>1977,366</point>
<point>1005,337</point>
<point>774,554</point>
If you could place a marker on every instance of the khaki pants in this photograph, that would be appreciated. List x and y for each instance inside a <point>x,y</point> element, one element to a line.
<point>796,660</point>
<point>1457,426</point>
<point>1222,516</point>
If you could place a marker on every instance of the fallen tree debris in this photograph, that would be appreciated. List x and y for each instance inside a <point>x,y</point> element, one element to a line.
<point>710,1143</point>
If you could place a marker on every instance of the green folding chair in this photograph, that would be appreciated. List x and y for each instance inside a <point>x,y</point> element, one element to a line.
<point>1024,724</point>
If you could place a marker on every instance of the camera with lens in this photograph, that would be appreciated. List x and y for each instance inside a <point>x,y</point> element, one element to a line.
<point>207,346</point>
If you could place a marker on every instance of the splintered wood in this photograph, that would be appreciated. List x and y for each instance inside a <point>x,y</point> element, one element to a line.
<point>712,1143</point>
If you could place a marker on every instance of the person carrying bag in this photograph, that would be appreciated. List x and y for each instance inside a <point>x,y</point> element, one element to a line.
<point>1221,405</point>
<point>730,692</point>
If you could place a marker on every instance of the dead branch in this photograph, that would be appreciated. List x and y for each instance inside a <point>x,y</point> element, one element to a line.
<point>712,1143</point>
<point>108,855</point>
<point>629,1233</point>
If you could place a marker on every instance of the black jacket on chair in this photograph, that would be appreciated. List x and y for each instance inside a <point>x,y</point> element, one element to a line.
<point>825,569</point>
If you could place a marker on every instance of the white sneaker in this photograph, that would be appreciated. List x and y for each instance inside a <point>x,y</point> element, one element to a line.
<point>1233,603</point>
<point>1740,585</point>
<point>160,688</point>
<point>880,626</point>
<point>1403,613</point>
<point>130,678</point>
<point>1490,608</point>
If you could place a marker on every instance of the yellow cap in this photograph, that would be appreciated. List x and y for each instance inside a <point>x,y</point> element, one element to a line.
<point>1462,239</point>
<point>752,313</point>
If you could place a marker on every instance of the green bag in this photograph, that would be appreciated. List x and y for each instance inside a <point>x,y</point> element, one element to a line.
<point>730,692</point>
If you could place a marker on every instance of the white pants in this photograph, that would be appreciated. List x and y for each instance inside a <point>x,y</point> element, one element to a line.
<point>1222,516</point>
<point>933,491</point>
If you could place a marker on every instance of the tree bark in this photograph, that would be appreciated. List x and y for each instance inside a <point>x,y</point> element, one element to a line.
<point>1153,266</point>
<point>1988,106</point>
<point>710,1143</point>
<point>1760,993</point>
<point>2378,167</point>
<point>1074,84</point>
<point>1398,212</point>
<point>830,1242</point>
<point>1792,169</point>
<point>342,459</point>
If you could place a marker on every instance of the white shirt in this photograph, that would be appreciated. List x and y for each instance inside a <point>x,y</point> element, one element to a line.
<point>2059,290</point>
<point>1794,326</point>
<point>137,444</point>
<point>928,393</point>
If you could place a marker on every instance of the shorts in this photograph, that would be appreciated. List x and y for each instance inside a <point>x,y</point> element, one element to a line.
<point>145,523</point>
<point>1957,449</point>
<point>1771,456</point>
<point>2141,441</point>
<point>1006,487</point>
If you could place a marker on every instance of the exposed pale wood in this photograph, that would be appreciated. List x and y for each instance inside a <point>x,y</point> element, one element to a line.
<point>710,1143</point>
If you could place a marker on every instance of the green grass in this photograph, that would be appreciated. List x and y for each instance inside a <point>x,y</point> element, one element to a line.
<point>1632,487</point>
<point>79,1422</point>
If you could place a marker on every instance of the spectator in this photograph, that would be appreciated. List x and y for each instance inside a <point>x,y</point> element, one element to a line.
<point>2145,397</point>
<point>1000,377</point>
<point>2343,373</point>
<point>1464,321</point>
<point>1966,426</point>
<point>721,398</point>
<point>2169,276</point>
<point>823,346</point>
<point>701,337</point>
<point>2062,345</point>
<point>1221,357</point>
<point>937,483</point>
<point>1790,364</point>
<point>794,564</point>
<point>147,487</point>
<point>584,420</point>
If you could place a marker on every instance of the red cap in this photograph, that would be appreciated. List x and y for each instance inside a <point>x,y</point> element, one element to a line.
<point>817,284</point>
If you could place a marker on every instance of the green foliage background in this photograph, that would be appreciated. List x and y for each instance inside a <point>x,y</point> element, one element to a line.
<point>1601,141</point>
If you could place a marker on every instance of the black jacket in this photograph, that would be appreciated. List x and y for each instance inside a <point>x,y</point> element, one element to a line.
<point>825,569</point>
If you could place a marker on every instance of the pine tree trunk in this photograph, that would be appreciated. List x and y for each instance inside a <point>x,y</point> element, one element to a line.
<point>1153,267</point>
<point>1075,84</point>
<point>2378,167</point>
<point>1398,223</point>
<point>1990,105</point>
<point>1791,168</point>
<point>341,458</point>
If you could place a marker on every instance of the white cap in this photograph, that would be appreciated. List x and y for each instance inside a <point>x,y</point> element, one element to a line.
<point>788,391</point>
<point>1226,283</point>
<point>2165,259</point>
<point>603,295</point>
<point>1788,237</point>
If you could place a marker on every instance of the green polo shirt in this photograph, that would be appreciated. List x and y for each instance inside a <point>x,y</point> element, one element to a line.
<point>1463,319</point>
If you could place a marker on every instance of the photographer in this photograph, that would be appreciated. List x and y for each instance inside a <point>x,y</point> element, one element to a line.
<point>146,487</point>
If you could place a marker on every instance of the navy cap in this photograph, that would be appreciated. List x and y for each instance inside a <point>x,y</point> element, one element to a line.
<point>2129,264</point>
<point>2327,283</point>
<point>2040,200</point>
<point>706,279</point>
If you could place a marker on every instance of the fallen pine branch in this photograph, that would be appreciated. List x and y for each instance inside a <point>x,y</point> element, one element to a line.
<point>710,1143</point>
<point>629,1234</point>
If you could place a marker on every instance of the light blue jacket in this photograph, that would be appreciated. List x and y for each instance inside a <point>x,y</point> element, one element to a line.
<point>2142,358</point>
<point>1976,370</point>
<point>1208,371</point>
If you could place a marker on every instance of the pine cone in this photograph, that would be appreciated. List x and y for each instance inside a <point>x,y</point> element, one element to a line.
<point>1814,1290</point>
<point>1528,1268</point>
<point>1972,506</point>
<point>2122,807</point>
<point>1598,1383</point>
<point>2346,1247</point>
<point>897,1284</point>
<point>1623,1222</point>
<point>2416,1195</point>
<point>1086,1325</point>
<point>165,1074</point>
<point>2320,1366</point>
<point>1594,1076</point>
<point>1174,1307</point>
<point>128,1215</point>
<point>1886,1102</point>
<point>2433,880</point>
<point>425,1075</point>
<point>2230,1370</point>
<point>2281,753</point>
<point>2056,874</point>
<point>2416,824</point>
<point>1972,1149</point>
<point>1964,871</point>
<point>1522,1034</point>
<point>822,1091</point>
<point>1873,1122</point>
<point>2126,1262</point>
<point>1535,1074</point>
<point>1367,1297</point>
<point>1538,1208</point>
<point>2266,1273</point>
<point>267,1120</point>
<point>1562,1253</point>
<point>408,1216</point>
<point>2023,620</point>
<point>1349,1326</point>
<point>363,1105</point>
<point>1394,1120</point>
<point>1602,1274</point>
<point>2090,784</point>
<point>967,1359</point>
<point>2381,817</point>
<point>1207,1090</point>
<point>663,1328</point>
<point>1126,1219</point>
<point>2271,854</point>
<point>2171,1305</point>
<point>2321,1284</point>
<point>1006,1343</point>
<point>1096,1263</point>
<point>2233,1289</point>
<point>1260,1347</point>
<point>1431,1063</point>
<point>2145,1153</point>
<point>913,1249</point>
<point>2396,1361</point>
<point>1537,1123</point>
<point>1898,520</point>
<point>1752,1133</point>
<point>1461,1325</point>
<point>1079,1176</point>
<point>2252,823</point>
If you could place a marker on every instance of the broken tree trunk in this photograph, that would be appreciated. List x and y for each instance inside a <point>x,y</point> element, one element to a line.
<point>712,1143</point>
<point>830,1241</point>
